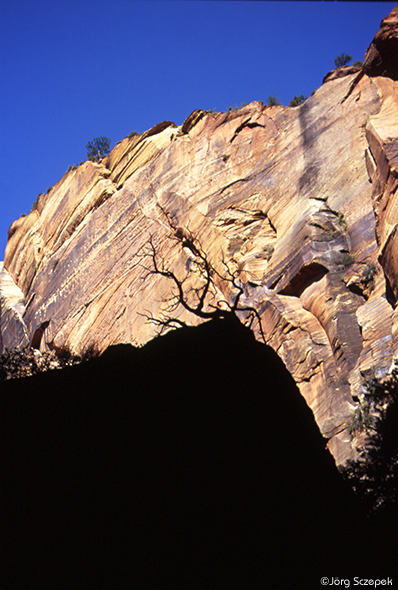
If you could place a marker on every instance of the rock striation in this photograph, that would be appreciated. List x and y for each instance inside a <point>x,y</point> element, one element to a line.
<point>13,332</point>
<point>298,203</point>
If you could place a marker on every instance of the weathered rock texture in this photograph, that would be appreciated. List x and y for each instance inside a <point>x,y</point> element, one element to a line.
<point>301,202</point>
<point>381,56</point>
<point>341,72</point>
<point>12,304</point>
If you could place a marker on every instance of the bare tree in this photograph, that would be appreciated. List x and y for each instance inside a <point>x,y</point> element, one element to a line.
<point>198,300</point>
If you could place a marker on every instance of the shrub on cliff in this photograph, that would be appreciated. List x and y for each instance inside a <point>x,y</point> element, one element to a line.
<point>28,361</point>
<point>297,100</point>
<point>342,60</point>
<point>25,362</point>
<point>233,109</point>
<point>98,148</point>
<point>272,101</point>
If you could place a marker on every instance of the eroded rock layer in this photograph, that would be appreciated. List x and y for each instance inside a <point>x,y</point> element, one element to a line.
<point>300,203</point>
<point>13,332</point>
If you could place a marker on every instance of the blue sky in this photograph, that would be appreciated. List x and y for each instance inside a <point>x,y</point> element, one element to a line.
<point>72,70</point>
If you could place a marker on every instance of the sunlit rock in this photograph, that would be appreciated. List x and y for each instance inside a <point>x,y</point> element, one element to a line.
<point>300,203</point>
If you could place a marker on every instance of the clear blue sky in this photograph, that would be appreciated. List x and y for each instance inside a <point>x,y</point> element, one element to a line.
<point>72,70</point>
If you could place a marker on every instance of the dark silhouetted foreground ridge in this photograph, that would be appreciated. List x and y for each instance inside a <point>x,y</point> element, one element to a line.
<point>190,463</point>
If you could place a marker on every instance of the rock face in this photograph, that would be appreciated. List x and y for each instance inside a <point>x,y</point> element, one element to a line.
<point>381,57</point>
<point>12,304</point>
<point>299,204</point>
<point>341,72</point>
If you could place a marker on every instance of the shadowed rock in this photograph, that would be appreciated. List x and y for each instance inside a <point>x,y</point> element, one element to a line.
<point>174,465</point>
<point>381,58</point>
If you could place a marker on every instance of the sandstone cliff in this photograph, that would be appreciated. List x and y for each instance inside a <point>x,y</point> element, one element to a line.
<point>299,203</point>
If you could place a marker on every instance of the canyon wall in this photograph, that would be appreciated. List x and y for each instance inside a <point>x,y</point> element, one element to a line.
<point>298,205</point>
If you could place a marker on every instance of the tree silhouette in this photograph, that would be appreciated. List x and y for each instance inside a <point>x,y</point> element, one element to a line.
<point>197,300</point>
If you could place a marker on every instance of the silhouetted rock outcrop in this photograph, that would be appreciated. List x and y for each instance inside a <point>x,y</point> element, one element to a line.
<point>174,465</point>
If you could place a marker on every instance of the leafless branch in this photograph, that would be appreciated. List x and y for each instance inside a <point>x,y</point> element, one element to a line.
<point>164,322</point>
<point>202,307</point>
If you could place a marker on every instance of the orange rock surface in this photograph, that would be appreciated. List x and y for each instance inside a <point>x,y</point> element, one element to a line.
<point>301,202</point>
